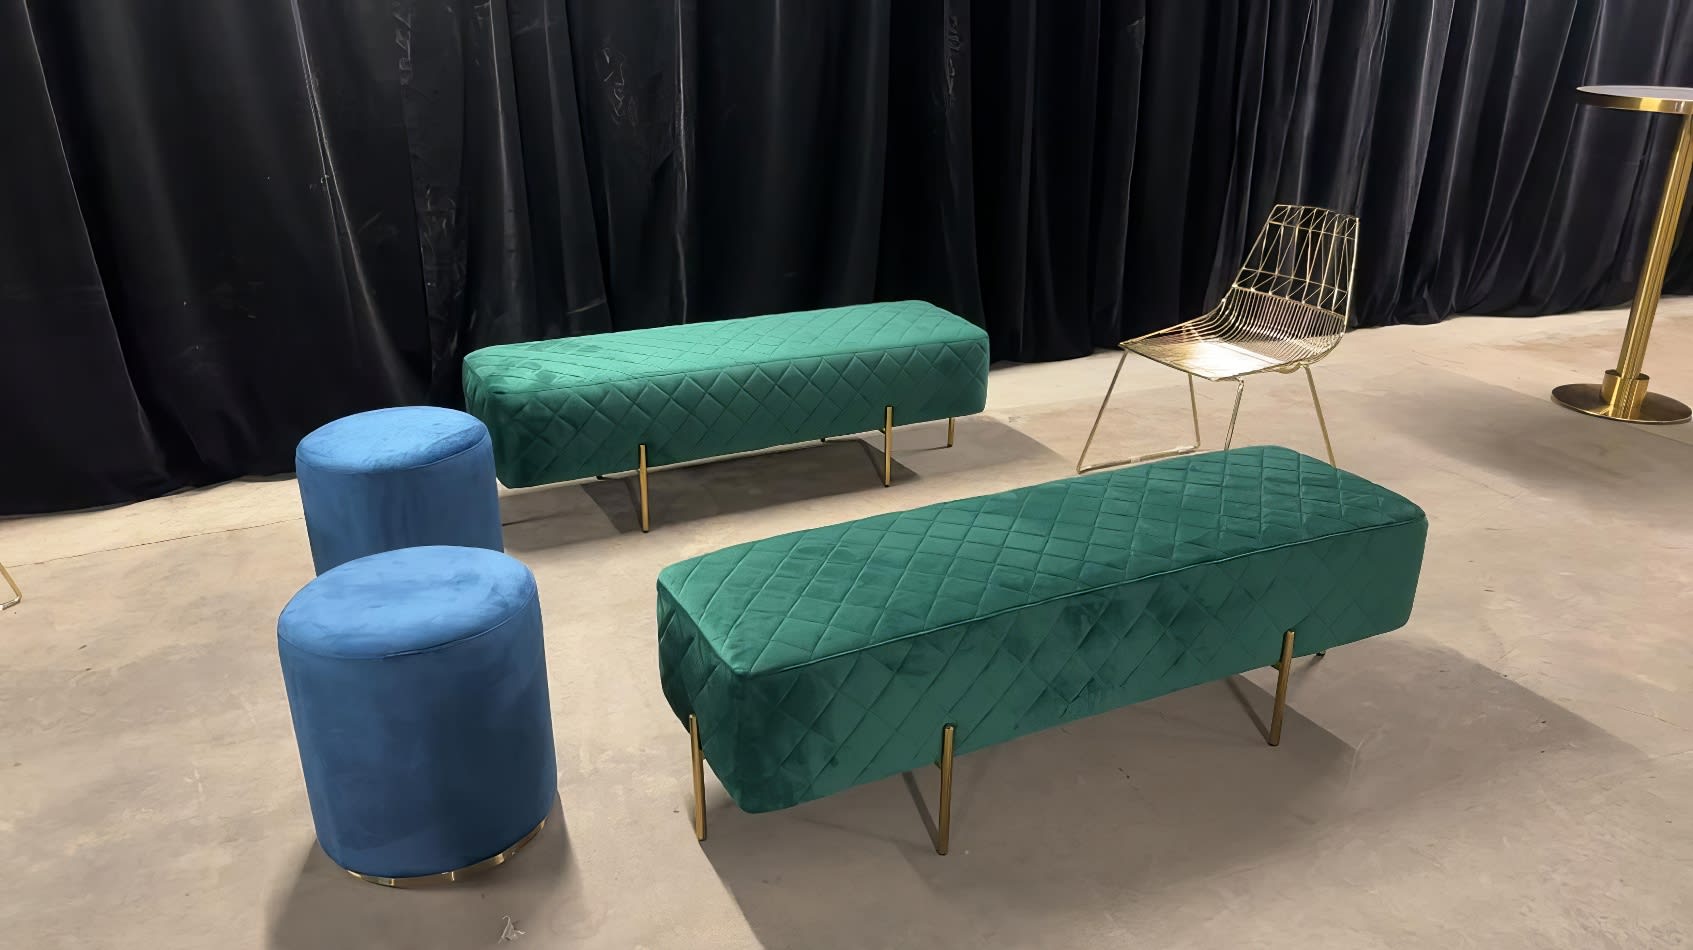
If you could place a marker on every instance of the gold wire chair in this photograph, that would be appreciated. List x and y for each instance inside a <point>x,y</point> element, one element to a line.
<point>1287,309</point>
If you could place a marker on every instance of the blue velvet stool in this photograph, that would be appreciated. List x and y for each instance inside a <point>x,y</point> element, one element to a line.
<point>398,478</point>
<point>418,685</point>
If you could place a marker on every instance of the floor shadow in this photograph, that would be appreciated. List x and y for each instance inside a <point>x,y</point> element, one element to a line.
<point>1167,794</point>
<point>325,909</point>
<point>571,513</point>
<point>1609,466</point>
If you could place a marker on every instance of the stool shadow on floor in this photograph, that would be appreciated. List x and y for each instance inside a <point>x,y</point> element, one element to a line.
<point>324,907</point>
<point>1095,820</point>
<point>558,515</point>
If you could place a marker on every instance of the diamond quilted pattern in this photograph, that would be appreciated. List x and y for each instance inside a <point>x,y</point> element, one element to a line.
<point>826,658</point>
<point>565,409</point>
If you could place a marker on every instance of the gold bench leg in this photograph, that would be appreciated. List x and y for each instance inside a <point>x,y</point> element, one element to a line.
<point>943,824</point>
<point>17,592</point>
<point>1083,468</point>
<point>887,446</point>
<point>646,516</point>
<point>951,430</point>
<point>1282,670</point>
<point>699,776</point>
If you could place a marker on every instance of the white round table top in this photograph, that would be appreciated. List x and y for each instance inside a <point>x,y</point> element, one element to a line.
<point>1673,99</point>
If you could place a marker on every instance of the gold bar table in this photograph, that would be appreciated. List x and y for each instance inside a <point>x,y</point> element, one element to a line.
<point>1623,394</point>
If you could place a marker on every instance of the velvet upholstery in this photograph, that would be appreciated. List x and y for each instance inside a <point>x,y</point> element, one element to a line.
<point>564,409</point>
<point>397,478</point>
<point>417,681</point>
<point>834,656</point>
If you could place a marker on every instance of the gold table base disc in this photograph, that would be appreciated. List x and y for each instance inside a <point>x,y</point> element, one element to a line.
<point>448,877</point>
<point>1656,409</point>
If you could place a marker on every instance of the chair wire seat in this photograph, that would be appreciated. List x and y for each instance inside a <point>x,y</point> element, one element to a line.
<point>1288,308</point>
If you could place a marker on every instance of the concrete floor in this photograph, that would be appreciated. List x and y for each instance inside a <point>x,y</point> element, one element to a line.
<point>1513,769</point>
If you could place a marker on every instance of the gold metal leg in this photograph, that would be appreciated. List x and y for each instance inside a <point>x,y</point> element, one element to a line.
<point>1083,468</point>
<point>646,515</point>
<point>17,592</point>
<point>1320,420</point>
<point>699,776</point>
<point>1193,406</point>
<point>1239,391</point>
<point>887,446</point>
<point>1081,462</point>
<point>1282,671</point>
<point>951,430</point>
<point>943,824</point>
<point>1623,393</point>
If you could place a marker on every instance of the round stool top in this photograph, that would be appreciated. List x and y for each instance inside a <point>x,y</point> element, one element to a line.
<point>413,600</point>
<point>1673,99</point>
<point>386,440</point>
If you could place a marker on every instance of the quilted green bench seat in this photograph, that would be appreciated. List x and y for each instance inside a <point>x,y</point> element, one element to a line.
<point>614,402</point>
<point>819,660</point>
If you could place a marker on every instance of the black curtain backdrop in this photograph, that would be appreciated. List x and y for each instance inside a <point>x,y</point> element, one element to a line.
<point>225,222</point>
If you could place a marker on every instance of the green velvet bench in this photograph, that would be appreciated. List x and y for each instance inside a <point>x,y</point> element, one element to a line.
<point>613,402</point>
<point>815,661</point>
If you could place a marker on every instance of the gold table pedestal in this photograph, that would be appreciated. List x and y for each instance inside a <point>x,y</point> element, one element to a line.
<point>1622,395</point>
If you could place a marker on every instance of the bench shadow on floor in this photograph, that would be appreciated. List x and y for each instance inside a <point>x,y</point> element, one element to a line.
<point>1094,817</point>
<point>1627,471</point>
<point>559,515</point>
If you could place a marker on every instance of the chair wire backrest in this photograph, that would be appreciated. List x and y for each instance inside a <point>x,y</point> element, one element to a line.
<point>1293,296</point>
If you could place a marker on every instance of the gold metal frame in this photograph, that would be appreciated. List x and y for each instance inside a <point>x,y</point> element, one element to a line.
<point>943,812</point>
<point>1287,309</point>
<point>699,776</point>
<point>1622,395</point>
<point>943,821</point>
<point>887,466</point>
<point>448,877</point>
<point>17,592</point>
<point>887,446</point>
<point>646,508</point>
<point>1283,670</point>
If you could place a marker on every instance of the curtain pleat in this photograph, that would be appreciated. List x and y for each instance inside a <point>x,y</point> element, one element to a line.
<point>227,223</point>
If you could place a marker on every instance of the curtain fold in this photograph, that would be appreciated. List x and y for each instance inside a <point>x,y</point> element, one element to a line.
<point>227,223</point>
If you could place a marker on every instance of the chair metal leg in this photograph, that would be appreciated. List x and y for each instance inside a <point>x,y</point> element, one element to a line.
<point>646,516</point>
<point>943,824</point>
<point>1282,670</point>
<point>1081,466</point>
<point>1193,404</point>
<point>887,446</point>
<point>951,430</point>
<point>1320,420</point>
<point>699,776</point>
<point>17,592</point>
<point>1239,390</point>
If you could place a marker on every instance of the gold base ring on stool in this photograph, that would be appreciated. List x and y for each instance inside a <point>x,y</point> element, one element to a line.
<point>448,877</point>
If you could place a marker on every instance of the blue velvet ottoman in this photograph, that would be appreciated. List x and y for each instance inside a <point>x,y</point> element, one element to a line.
<point>418,685</point>
<point>398,478</point>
